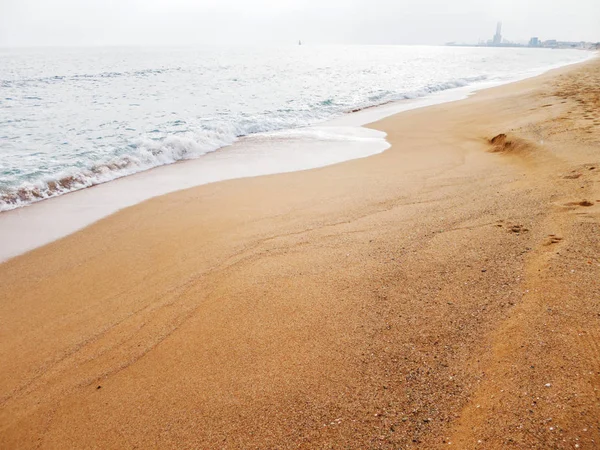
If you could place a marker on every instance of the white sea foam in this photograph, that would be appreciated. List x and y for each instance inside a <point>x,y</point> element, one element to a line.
<point>151,153</point>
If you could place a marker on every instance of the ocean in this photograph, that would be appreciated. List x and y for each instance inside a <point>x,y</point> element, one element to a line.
<point>78,117</point>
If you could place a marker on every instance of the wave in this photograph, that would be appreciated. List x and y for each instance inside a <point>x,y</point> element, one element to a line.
<point>87,76</point>
<point>146,153</point>
<point>389,97</point>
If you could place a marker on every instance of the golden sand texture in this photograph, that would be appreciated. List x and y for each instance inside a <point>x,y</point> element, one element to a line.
<point>443,294</point>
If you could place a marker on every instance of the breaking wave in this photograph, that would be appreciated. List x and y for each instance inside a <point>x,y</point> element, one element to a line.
<point>144,154</point>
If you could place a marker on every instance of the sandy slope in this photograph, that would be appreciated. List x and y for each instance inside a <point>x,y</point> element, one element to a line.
<point>444,292</point>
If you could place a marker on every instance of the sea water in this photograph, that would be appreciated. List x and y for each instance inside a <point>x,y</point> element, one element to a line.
<point>74,118</point>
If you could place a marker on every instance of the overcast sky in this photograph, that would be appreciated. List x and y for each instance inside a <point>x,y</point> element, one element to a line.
<point>176,22</point>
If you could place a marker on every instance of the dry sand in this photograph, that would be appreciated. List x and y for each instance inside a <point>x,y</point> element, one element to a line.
<point>443,293</point>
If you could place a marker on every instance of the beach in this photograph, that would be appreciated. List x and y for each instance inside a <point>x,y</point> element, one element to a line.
<point>442,294</point>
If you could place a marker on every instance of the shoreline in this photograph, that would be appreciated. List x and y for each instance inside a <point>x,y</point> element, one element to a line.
<point>23,229</point>
<point>443,293</point>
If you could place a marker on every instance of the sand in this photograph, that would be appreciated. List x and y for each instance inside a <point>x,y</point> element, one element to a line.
<point>443,294</point>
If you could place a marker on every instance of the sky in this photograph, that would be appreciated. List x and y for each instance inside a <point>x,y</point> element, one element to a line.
<point>280,22</point>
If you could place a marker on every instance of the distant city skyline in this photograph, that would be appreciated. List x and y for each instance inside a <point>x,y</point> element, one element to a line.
<point>180,22</point>
<point>498,40</point>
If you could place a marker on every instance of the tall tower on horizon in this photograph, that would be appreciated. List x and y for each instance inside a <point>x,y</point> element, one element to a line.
<point>498,35</point>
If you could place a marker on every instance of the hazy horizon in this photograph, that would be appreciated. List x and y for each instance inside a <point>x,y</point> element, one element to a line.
<point>36,23</point>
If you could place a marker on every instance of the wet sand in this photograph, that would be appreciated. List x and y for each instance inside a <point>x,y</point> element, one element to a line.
<point>444,293</point>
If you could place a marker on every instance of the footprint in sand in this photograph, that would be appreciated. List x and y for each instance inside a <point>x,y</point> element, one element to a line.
<point>580,203</point>
<point>553,239</point>
<point>580,171</point>
<point>517,229</point>
<point>511,228</point>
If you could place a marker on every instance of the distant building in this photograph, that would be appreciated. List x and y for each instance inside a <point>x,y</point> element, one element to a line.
<point>534,42</point>
<point>498,36</point>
